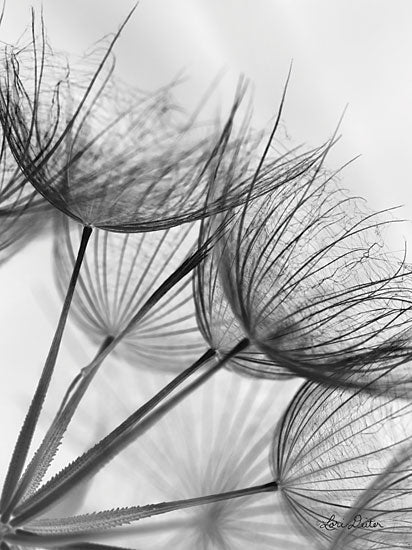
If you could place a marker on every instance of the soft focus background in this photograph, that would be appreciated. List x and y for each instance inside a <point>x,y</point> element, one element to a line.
<point>344,53</point>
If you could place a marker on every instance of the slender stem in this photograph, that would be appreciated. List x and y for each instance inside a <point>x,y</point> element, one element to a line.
<point>27,431</point>
<point>102,449</point>
<point>165,507</point>
<point>29,540</point>
<point>88,372</point>
<point>183,270</point>
<point>131,515</point>
<point>82,380</point>
<point>90,462</point>
<point>37,468</point>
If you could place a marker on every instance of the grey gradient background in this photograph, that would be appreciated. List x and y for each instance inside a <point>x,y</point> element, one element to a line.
<point>343,51</point>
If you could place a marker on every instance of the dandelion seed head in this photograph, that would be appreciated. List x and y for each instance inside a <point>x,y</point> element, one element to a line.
<point>114,157</point>
<point>309,280</point>
<point>217,300</point>
<point>331,444</point>
<point>386,504</point>
<point>120,273</point>
<point>219,326</point>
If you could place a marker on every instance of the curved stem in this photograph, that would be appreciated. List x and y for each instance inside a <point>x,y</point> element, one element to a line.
<point>27,431</point>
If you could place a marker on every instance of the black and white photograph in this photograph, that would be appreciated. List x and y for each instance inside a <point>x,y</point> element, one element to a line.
<point>205,275</point>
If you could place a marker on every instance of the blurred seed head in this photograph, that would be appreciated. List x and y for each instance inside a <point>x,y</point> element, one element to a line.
<point>23,212</point>
<point>216,440</point>
<point>120,272</point>
<point>330,446</point>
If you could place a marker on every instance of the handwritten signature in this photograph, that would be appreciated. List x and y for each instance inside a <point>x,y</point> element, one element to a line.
<point>357,522</point>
